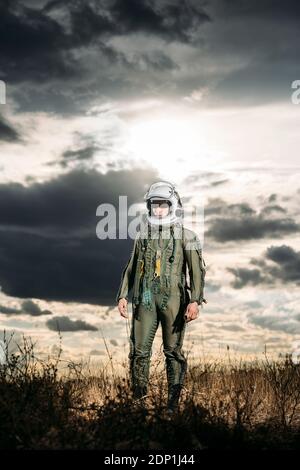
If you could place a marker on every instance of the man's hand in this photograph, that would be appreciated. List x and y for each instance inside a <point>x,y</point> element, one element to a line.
<point>192,312</point>
<point>122,306</point>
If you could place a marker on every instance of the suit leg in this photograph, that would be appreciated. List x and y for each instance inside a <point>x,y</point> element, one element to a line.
<point>143,329</point>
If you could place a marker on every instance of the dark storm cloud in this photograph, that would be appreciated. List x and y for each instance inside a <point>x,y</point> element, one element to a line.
<point>245,276</point>
<point>266,81</point>
<point>63,46</point>
<point>7,132</point>
<point>85,153</point>
<point>272,9</point>
<point>37,49</point>
<point>68,48</point>
<point>250,228</point>
<point>241,222</point>
<point>86,148</point>
<point>82,154</point>
<point>28,307</point>
<point>32,45</point>
<point>154,60</point>
<point>64,323</point>
<point>9,310</point>
<point>53,252</point>
<point>273,208</point>
<point>289,324</point>
<point>69,201</point>
<point>287,261</point>
<point>267,60</point>
<point>278,265</point>
<point>170,20</point>
<point>36,46</point>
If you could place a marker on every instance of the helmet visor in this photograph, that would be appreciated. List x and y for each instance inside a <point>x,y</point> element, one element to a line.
<point>162,203</point>
<point>159,207</point>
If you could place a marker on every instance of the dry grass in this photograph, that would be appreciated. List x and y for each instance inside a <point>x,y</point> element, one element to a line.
<point>59,405</point>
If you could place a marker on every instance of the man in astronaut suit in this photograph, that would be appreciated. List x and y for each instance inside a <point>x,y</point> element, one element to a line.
<point>156,271</point>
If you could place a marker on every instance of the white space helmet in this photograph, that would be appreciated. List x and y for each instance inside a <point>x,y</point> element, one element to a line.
<point>164,190</point>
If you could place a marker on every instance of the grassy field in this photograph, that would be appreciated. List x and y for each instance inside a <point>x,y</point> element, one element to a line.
<point>235,404</point>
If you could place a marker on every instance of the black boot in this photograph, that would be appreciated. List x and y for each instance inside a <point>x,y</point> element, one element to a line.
<point>139,391</point>
<point>173,398</point>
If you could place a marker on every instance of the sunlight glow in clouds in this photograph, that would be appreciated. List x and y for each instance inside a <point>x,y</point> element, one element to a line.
<point>169,144</point>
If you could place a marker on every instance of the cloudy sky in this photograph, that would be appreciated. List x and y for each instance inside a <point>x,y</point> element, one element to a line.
<point>103,98</point>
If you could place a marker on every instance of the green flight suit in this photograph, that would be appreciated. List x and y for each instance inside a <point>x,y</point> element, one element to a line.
<point>161,298</point>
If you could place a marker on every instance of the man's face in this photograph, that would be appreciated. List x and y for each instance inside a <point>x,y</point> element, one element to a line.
<point>160,208</point>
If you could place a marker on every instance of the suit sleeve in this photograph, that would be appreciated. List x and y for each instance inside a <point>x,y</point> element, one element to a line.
<point>196,267</point>
<point>128,274</point>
